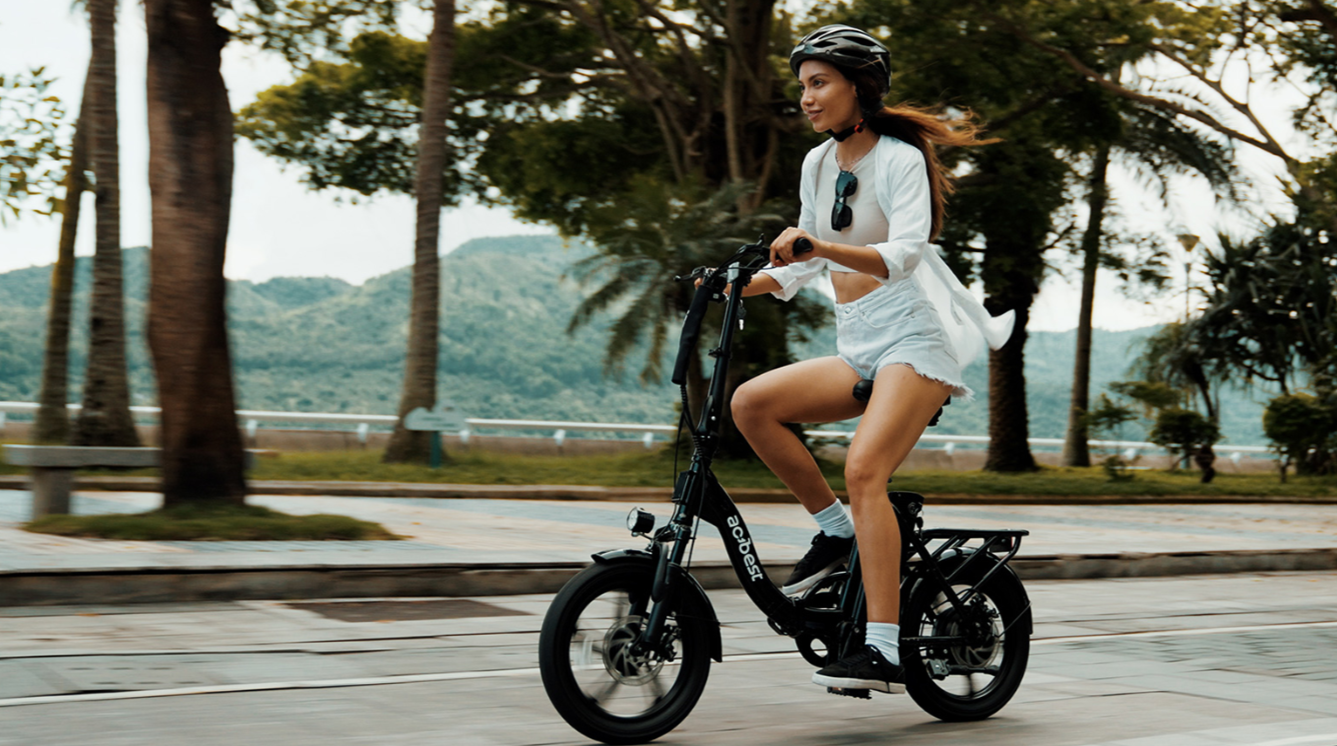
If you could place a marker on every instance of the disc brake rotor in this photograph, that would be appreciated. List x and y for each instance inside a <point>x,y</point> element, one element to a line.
<point>980,627</point>
<point>622,661</point>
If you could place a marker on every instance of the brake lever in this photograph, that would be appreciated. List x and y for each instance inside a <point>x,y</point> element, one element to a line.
<point>697,273</point>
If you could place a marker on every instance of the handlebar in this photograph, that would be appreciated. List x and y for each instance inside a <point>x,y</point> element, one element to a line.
<point>713,284</point>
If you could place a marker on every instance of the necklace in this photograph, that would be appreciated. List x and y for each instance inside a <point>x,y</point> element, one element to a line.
<point>856,160</point>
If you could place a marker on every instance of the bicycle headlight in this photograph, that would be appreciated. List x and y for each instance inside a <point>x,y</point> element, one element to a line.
<point>640,522</point>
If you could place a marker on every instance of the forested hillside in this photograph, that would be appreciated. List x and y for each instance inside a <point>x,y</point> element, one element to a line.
<point>323,345</point>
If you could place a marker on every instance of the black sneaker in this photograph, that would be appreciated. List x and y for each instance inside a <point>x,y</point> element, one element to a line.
<point>865,669</point>
<point>826,555</point>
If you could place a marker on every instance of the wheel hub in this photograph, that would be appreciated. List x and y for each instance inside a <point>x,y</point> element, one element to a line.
<point>625,660</point>
<point>982,639</point>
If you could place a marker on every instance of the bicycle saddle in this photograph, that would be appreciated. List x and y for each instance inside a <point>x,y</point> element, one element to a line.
<point>863,390</point>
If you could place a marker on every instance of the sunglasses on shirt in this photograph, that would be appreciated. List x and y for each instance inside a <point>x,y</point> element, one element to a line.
<point>841,214</point>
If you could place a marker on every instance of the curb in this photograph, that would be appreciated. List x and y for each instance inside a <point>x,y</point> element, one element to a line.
<point>160,585</point>
<point>644,494</point>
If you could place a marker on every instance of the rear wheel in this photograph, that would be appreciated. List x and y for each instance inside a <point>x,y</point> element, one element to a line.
<point>974,675</point>
<point>602,681</point>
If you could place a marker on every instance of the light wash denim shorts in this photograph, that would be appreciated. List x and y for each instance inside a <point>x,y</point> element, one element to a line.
<point>896,324</point>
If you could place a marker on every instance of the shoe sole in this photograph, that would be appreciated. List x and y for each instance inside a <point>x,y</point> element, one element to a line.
<point>873,684</point>
<point>808,582</point>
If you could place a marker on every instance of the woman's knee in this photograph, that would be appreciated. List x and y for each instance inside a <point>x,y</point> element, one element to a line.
<point>748,404</point>
<point>865,476</point>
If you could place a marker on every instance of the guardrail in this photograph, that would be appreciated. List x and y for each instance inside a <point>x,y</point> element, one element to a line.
<point>363,422</point>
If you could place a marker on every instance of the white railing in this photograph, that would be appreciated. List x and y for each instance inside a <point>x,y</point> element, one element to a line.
<point>363,422</point>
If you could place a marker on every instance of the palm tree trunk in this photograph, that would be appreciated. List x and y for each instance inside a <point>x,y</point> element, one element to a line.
<point>52,424</point>
<point>1075,450</point>
<point>420,365</point>
<point>190,178</point>
<point>1015,268</point>
<point>105,418</point>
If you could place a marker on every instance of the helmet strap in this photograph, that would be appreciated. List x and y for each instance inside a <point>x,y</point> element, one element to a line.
<point>844,134</point>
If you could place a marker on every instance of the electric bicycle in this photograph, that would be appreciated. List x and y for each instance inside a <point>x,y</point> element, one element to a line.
<point>626,646</point>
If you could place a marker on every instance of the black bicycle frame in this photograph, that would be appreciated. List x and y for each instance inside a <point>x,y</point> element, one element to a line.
<point>698,494</point>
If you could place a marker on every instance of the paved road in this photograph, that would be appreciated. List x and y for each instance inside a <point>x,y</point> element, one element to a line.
<point>1193,661</point>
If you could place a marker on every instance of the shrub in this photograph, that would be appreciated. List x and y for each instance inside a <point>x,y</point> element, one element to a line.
<point>1106,422</point>
<point>1183,430</point>
<point>1303,431</point>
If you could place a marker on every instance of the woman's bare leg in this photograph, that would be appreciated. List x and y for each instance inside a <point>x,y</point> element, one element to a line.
<point>818,390</point>
<point>902,404</point>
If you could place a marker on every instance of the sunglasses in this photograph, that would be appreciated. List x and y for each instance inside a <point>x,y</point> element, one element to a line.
<point>841,214</point>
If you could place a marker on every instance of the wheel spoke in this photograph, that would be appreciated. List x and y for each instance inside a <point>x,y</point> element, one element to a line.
<point>589,653</point>
<point>606,691</point>
<point>656,688</point>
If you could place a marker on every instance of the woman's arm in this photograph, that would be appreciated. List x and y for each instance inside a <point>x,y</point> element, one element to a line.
<point>906,200</point>
<point>762,284</point>
<point>864,259</point>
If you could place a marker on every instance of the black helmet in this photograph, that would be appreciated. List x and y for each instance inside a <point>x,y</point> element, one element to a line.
<point>845,47</point>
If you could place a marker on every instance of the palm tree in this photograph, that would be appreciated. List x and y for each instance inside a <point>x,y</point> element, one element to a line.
<point>105,418</point>
<point>52,424</point>
<point>425,310</point>
<point>190,178</point>
<point>1156,145</point>
<point>662,230</point>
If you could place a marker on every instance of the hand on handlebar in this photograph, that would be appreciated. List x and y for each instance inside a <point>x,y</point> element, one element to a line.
<point>699,280</point>
<point>788,246</point>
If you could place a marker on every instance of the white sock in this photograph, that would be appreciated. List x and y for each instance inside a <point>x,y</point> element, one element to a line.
<point>886,638</point>
<point>834,520</point>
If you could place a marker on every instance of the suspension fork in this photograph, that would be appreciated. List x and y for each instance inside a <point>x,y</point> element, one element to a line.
<point>671,545</point>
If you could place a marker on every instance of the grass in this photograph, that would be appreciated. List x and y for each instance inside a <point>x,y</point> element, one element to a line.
<point>210,523</point>
<point>655,469</point>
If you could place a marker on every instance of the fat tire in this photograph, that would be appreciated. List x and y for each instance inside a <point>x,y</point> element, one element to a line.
<point>1005,591</point>
<point>581,711</point>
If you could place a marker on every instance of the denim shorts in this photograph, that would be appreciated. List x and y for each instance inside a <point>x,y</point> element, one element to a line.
<point>896,324</point>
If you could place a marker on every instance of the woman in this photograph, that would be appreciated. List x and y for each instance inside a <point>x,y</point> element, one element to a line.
<point>872,199</point>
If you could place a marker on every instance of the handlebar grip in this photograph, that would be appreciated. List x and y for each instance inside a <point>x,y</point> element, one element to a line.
<point>802,246</point>
<point>691,329</point>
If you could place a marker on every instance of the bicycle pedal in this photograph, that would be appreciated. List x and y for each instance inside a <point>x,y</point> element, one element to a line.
<point>856,693</point>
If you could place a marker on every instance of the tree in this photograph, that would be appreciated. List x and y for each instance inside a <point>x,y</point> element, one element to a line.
<point>1210,43</point>
<point>30,151</point>
<point>190,178</point>
<point>563,110</point>
<point>424,315</point>
<point>105,417</point>
<point>52,424</point>
<point>1270,313</point>
<point>1156,146</point>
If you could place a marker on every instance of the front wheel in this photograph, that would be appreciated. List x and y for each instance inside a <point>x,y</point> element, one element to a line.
<point>969,664</point>
<point>602,682</point>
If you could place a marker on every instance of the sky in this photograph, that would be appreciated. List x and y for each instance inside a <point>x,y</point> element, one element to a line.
<point>280,228</point>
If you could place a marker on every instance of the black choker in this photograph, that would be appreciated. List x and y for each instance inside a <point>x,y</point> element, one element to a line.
<point>844,134</point>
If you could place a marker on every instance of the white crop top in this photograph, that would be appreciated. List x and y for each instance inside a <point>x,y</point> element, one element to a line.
<point>869,225</point>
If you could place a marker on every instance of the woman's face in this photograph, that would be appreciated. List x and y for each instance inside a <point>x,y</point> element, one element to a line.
<point>829,98</point>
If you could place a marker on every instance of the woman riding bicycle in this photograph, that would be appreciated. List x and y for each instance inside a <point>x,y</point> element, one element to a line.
<point>902,319</point>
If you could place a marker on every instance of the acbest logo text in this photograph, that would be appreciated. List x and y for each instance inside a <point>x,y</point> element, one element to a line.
<point>745,547</point>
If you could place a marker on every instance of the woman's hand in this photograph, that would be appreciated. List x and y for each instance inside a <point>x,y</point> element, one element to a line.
<point>700,280</point>
<point>782,248</point>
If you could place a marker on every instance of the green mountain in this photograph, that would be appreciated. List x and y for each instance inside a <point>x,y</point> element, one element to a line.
<point>319,344</point>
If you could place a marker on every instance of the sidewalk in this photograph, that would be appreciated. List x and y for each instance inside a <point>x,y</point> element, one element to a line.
<point>485,546</point>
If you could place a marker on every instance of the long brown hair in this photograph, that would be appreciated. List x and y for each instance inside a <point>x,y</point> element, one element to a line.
<point>923,127</point>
